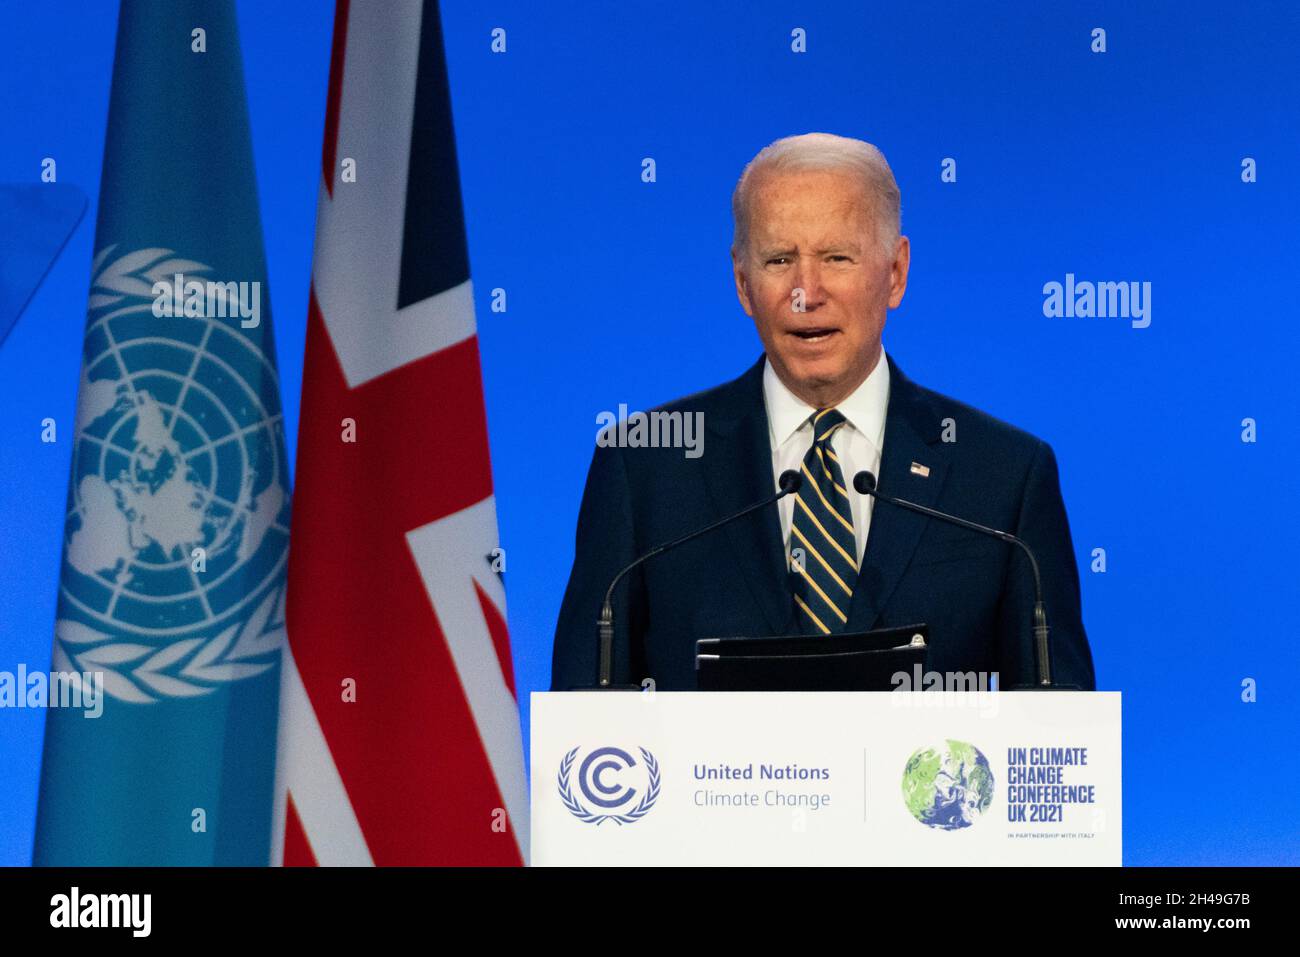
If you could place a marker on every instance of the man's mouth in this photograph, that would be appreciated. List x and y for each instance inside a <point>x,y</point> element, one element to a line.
<point>814,333</point>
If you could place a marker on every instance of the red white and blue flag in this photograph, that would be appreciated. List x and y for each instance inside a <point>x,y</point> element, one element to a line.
<point>399,727</point>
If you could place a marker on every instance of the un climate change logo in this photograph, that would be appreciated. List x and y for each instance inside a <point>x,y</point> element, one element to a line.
<point>604,782</point>
<point>178,507</point>
<point>948,787</point>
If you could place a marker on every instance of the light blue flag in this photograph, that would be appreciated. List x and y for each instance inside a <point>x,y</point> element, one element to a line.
<point>171,592</point>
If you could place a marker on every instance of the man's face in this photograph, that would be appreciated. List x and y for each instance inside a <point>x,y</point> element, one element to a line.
<point>812,234</point>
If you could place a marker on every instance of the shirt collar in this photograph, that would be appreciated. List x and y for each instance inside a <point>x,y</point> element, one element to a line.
<point>864,409</point>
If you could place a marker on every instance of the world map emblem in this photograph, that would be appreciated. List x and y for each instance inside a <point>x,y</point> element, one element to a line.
<point>178,506</point>
<point>948,787</point>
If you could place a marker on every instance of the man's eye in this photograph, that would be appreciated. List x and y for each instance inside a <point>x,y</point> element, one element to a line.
<point>776,260</point>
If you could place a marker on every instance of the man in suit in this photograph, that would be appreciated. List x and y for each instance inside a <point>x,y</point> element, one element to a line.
<point>819,261</point>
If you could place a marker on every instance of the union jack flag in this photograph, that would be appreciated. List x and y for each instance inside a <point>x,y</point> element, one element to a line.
<point>400,740</point>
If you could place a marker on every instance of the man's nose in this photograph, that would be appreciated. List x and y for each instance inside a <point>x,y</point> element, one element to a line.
<point>808,279</point>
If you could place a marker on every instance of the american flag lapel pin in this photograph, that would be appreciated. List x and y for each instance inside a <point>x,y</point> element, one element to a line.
<point>921,470</point>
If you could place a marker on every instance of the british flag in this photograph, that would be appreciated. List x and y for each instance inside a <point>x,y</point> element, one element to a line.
<point>399,728</point>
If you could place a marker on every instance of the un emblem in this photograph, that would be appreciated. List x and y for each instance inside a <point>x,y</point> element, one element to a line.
<point>603,781</point>
<point>178,508</point>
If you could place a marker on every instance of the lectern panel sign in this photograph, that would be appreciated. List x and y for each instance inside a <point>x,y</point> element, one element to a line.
<point>826,778</point>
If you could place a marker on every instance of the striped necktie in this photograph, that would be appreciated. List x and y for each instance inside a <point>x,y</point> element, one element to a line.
<point>822,544</point>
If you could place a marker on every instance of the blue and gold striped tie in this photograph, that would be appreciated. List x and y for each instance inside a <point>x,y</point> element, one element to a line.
<point>823,549</point>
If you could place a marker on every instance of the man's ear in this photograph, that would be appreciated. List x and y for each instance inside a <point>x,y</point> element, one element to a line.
<point>898,272</point>
<point>742,284</point>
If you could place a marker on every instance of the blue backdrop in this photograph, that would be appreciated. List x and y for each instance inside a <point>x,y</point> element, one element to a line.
<point>1116,166</point>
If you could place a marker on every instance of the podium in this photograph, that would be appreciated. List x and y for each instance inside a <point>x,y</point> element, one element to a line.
<point>826,778</point>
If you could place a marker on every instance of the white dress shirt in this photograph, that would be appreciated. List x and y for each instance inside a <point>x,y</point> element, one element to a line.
<point>858,444</point>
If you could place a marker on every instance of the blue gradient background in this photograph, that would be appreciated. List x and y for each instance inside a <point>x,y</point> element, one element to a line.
<point>1122,166</point>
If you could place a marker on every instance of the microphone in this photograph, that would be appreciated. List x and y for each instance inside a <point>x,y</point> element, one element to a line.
<point>789,483</point>
<point>865,483</point>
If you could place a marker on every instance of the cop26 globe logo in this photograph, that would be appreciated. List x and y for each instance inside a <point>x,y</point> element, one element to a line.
<point>948,787</point>
<point>605,779</point>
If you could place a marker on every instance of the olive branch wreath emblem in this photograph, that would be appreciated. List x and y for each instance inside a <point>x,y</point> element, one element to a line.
<point>577,809</point>
<point>164,673</point>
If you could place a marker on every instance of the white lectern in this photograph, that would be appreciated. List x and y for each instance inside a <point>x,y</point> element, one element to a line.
<point>826,778</point>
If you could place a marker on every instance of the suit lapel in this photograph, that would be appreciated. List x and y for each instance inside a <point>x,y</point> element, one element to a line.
<point>739,473</point>
<point>912,431</point>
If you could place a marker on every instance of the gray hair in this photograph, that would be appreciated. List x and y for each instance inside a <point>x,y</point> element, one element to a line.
<point>825,151</point>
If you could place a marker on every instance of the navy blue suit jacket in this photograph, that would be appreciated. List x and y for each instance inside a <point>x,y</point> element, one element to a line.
<point>975,592</point>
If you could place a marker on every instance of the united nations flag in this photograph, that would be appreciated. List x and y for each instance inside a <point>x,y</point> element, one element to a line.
<point>171,592</point>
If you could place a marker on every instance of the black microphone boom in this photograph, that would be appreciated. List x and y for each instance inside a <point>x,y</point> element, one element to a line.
<point>789,483</point>
<point>865,483</point>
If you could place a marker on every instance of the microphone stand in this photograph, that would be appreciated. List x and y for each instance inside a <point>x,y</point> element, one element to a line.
<point>865,483</point>
<point>790,482</point>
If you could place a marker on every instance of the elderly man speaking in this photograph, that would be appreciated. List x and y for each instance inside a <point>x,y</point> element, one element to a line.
<point>819,261</point>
